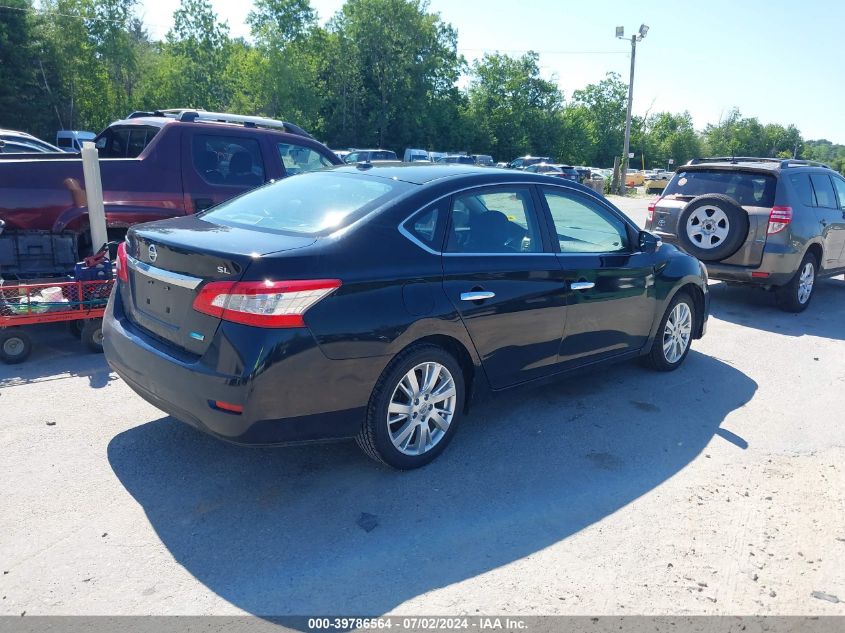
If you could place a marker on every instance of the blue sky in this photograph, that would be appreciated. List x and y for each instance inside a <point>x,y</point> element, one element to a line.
<point>780,61</point>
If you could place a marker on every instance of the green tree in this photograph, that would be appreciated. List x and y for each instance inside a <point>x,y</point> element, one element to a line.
<point>399,62</point>
<point>195,56</point>
<point>22,93</point>
<point>671,136</point>
<point>606,104</point>
<point>515,110</point>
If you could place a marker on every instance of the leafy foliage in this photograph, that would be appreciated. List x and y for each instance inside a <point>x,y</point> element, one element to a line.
<point>380,72</point>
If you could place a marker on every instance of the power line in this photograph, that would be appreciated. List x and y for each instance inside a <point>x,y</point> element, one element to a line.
<point>540,52</point>
<point>69,15</point>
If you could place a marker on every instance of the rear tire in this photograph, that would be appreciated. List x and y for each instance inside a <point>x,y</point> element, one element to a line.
<point>795,296</point>
<point>92,335</point>
<point>414,409</point>
<point>674,336</point>
<point>74,328</point>
<point>15,346</point>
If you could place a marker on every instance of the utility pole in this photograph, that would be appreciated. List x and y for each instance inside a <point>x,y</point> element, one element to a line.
<point>637,37</point>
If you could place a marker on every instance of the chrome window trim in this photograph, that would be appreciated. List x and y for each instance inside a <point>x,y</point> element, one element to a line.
<point>166,276</point>
<point>404,231</point>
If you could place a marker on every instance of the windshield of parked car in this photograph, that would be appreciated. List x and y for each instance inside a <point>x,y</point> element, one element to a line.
<point>308,204</point>
<point>747,188</point>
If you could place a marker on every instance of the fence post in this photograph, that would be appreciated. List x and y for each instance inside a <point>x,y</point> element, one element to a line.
<point>94,195</point>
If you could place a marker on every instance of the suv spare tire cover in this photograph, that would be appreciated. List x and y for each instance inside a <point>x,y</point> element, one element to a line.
<point>712,227</point>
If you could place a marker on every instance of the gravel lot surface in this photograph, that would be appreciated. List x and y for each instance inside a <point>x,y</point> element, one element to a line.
<point>717,489</point>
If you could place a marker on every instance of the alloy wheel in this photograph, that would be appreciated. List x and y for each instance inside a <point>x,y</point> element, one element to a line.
<point>677,333</point>
<point>421,408</point>
<point>806,282</point>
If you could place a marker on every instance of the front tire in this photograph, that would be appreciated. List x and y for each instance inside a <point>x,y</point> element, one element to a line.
<point>795,296</point>
<point>414,409</point>
<point>15,346</point>
<point>674,336</point>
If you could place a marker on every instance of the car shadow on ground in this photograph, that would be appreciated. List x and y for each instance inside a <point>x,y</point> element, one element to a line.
<point>320,529</point>
<point>757,308</point>
<point>56,354</point>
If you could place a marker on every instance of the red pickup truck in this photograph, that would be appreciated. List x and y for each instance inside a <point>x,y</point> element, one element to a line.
<point>153,165</point>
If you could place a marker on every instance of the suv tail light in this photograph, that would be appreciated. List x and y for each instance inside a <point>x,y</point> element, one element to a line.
<point>779,218</point>
<point>122,269</point>
<point>651,208</point>
<point>278,304</point>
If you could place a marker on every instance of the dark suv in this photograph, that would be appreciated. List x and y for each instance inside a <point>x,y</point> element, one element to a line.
<point>766,222</point>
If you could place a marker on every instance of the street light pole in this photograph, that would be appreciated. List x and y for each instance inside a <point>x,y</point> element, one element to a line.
<point>637,37</point>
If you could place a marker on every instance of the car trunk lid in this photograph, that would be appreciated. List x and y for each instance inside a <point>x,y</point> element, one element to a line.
<point>169,262</point>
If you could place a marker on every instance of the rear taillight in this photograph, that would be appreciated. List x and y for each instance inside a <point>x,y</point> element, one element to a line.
<point>122,267</point>
<point>279,304</point>
<point>651,206</point>
<point>779,218</point>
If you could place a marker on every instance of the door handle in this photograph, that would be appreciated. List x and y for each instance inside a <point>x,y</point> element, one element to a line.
<point>582,285</point>
<point>477,295</point>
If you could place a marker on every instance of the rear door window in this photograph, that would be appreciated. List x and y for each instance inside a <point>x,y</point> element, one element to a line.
<point>839,185</point>
<point>747,188</point>
<point>803,189</point>
<point>228,160</point>
<point>494,221</point>
<point>824,191</point>
<point>298,159</point>
<point>125,141</point>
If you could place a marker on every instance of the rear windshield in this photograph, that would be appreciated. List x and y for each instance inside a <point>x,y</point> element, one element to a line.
<point>124,141</point>
<point>747,188</point>
<point>307,204</point>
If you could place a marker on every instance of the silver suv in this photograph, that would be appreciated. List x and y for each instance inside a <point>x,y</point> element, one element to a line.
<point>759,221</point>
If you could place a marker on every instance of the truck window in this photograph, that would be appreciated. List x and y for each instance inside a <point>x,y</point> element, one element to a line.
<point>298,159</point>
<point>64,141</point>
<point>125,141</point>
<point>228,160</point>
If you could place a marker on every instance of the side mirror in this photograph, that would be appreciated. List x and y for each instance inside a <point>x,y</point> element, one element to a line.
<point>649,242</point>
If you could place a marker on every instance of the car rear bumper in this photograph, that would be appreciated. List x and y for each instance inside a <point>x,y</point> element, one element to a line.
<point>777,267</point>
<point>289,390</point>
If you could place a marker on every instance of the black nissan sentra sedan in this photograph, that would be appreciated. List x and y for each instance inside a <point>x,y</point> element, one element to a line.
<point>375,302</point>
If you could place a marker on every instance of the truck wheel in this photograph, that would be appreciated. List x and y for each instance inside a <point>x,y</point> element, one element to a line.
<point>92,335</point>
<point>712,227</point>
<point>75,328</point>
<point>795,296</point>
<point>15,346</point>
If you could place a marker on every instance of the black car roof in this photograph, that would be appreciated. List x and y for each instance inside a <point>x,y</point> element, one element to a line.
<point>420,174</point>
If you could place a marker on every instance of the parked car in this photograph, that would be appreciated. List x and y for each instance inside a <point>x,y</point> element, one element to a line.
<point>527,161</point>
<point>459,159</point>
<point>634,178</point>
<point>656,181</point>
<point>369,155</point>
<point>502,165</point>
<point>20,147</point>
<point>566,172</point>
<point>152,167</point>
<point>15,139</point>
<point>777,224</point>
<point>71,140</point>
<point>341,153</point>
<point>416,155</point>
<point>484,160</point>
<point>287,325</point>
<point>584,174</point>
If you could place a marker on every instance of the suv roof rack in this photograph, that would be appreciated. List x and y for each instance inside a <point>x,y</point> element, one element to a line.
<point>782,162</point>
<point>734,159</point>
<point>798,162</point>
<point>198,114</point>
